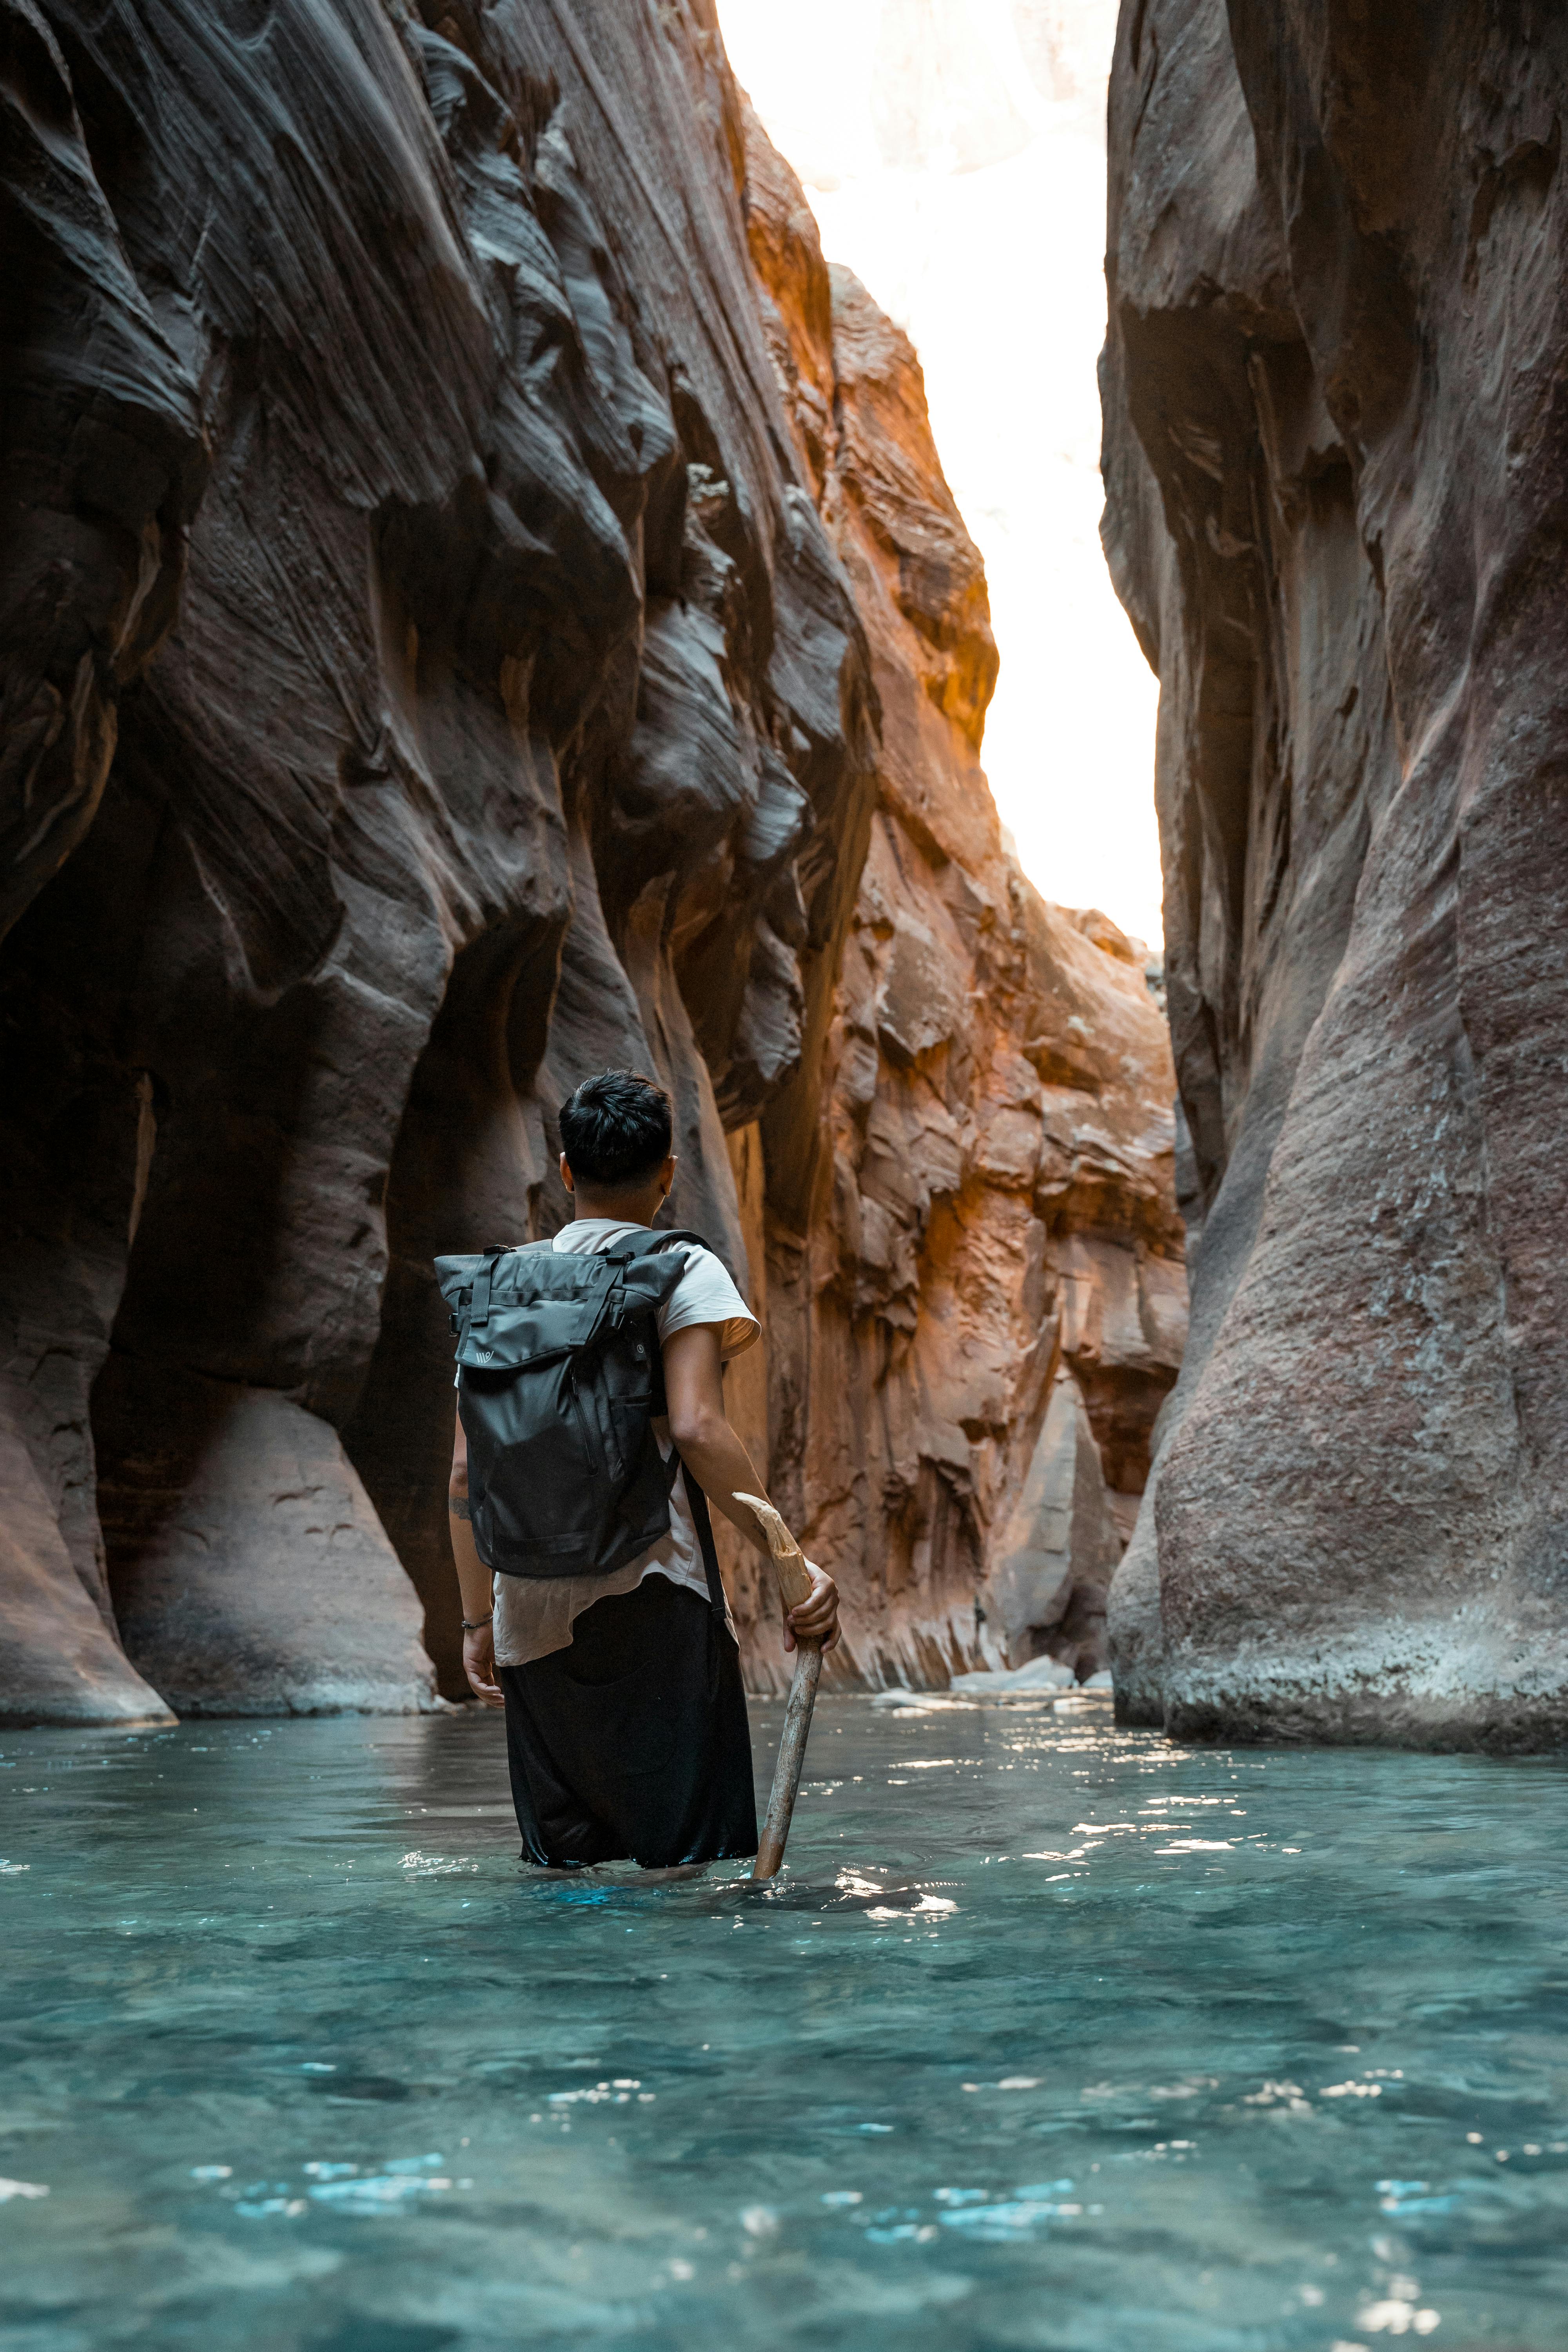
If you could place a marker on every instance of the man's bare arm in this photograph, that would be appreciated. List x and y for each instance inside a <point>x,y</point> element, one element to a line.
<point>694,1388</point>
<point>474,1582</point>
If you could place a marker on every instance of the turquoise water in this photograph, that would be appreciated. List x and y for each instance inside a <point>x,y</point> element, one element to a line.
<point>1053,2036</point>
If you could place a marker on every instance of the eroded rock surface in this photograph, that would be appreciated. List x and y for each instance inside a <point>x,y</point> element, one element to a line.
<point>1335,446</point>
<point>972,1255</point>
<point>440,659</point>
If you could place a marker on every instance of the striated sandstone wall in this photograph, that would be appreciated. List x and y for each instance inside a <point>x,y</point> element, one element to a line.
<point>433,668</point>
<point>973,1259</point>
<point>1335,449</point>
<point>416,586</point>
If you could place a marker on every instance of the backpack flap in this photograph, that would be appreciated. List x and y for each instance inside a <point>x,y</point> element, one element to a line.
<point>520,1306</point>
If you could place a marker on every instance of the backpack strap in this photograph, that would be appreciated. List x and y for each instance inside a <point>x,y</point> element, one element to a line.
<point>647,1242</point>
<point>702,1521</point>
<point>479,1313</point>
<point>645,1245</point>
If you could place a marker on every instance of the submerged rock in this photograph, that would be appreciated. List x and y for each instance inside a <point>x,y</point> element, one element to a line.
<point>1039,1675</point>
<point>1335,451</point>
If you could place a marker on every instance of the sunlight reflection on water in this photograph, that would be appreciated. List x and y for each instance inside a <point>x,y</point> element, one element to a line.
<point>1050,2036</point>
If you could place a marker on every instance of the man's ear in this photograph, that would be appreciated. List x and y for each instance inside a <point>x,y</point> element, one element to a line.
<point>667,1175</point>
<point>566,1174</point>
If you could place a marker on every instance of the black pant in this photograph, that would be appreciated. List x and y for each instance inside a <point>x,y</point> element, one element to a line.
<point>634,1739</point>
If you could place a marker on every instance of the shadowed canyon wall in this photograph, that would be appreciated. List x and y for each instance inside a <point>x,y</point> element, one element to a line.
<point>445,651</point>
<point>1335,453</point>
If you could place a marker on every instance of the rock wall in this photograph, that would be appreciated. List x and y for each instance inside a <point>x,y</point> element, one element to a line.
<point>1335,446</point>
<point>434,667</point>
<point>972,1255</point>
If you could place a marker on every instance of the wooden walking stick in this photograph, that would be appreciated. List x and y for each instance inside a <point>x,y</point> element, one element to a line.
<point>794,1586</point>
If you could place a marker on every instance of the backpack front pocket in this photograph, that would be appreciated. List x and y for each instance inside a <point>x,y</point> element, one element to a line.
<point>538,1475</point>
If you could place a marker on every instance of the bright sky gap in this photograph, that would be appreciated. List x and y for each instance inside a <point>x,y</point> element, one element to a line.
<point>954,157</point>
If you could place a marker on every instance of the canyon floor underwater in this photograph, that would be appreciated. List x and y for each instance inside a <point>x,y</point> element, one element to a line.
<point>1051,2035</point>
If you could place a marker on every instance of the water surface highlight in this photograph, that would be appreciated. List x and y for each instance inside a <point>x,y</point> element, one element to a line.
<point>1051,2036</point>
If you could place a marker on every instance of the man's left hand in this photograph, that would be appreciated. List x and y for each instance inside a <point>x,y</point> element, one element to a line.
<point>479,1665</point>
<point>817,1619</point>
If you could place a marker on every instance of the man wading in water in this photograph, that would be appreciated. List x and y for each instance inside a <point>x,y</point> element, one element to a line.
<point>626,1718</point>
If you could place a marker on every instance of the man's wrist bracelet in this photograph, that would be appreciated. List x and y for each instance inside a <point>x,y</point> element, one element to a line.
<point>477,1622</point>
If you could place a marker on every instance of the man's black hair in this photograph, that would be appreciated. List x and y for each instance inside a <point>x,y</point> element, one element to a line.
<point>615,1129</point>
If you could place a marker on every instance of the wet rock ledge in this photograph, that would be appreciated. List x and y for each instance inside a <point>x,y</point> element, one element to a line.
<point>480,601</point>
<point>1335,449</point>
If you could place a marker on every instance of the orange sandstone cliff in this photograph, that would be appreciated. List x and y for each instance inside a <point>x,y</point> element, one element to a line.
<point>975,1281</point>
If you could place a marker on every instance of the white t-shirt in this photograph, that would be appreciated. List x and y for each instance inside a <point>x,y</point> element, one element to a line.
<point>534,1615</point>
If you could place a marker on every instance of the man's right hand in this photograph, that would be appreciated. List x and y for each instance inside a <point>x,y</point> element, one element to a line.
<point>816,1618</point>
<point>479,1665</point>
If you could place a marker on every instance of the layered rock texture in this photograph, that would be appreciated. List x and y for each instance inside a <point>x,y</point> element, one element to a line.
<point>1335,449</point>
<point>477,605</point>
<point>975,1290</point>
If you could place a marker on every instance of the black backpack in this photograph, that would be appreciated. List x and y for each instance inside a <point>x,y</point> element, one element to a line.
<point>560,1377</point>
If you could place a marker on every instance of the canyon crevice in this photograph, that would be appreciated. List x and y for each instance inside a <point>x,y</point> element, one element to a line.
<point>1334,453</point>
<point>486,606</point>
